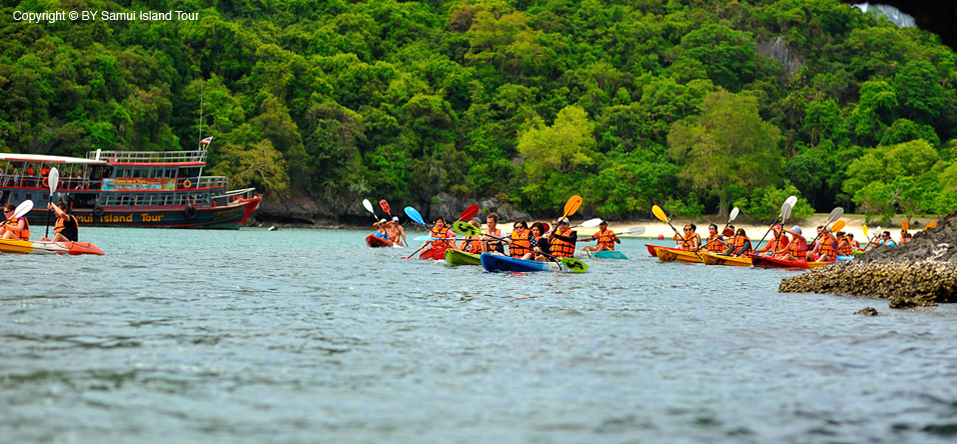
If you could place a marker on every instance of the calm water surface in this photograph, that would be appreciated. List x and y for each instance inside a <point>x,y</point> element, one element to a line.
<point>309,336</point>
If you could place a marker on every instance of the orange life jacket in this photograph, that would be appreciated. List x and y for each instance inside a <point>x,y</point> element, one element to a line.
<point>739,242</point>
<point>24,234</point>
<point>561,248</point>
<point>443,233</point>
<point>688,244</point>
<point>778,245</point>
<point>606,238</point>
<point>827,247</point>
<point>798,249</point>
<point>715,244</point>
<point>844,248</point>
<point>520,244</point>
<point>472,246</point>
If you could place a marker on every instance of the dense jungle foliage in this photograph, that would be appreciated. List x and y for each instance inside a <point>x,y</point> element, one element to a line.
<point>628,103</point>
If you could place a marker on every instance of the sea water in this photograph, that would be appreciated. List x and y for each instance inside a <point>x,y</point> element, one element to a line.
<point>291,336</point>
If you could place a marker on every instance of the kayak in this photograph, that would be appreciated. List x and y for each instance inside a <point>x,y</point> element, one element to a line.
<point>377,242</point>
<point>667,254</point>
<point>434,253</point>
<point>717,259</point>
<point>774,262</point>
<point>459,257</point>
<point>48,247</point>
<point>498,262</point>
<point>845,258</point>
<point>652,248</point>
<point>607,254</point>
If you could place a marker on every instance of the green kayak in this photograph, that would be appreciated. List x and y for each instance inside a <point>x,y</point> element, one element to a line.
<point>457,257</point>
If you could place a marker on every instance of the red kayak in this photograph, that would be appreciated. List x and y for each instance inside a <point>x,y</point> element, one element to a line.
<point>774,262</point>
<point>651,249</point>
<point>377,242</point>
<point>434,253</point>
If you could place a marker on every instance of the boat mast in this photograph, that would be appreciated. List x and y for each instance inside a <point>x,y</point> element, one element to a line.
<point>202,95</point>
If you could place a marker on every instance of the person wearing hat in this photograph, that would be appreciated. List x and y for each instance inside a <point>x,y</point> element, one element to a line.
<point>778,244</point>
<point>605,237</point>
<point>380,229</point>
<point>562,240</point>
<point>797,247</point>
<point>396,232</point>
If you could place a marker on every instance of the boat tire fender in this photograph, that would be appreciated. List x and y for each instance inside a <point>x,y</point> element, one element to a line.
<point>98,211</point>
<point>190,212</point>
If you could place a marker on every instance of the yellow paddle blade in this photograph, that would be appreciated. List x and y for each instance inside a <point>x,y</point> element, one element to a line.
<point>838,226</point>
<point>659,213</point>
<point>865,231</point>
<point>931,225</point>
<point>904,225</point>
<point>572,205</point>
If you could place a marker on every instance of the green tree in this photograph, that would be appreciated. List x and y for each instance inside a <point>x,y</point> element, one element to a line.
<point>554,155</point>
<point>727,144</point>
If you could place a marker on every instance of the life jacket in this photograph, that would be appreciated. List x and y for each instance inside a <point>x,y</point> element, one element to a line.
<point>561,248</point>
<point>443,233</point>
<point>715,244</point>
<point>68,231</point>
<point>520,245</point>
<point>499,246</point>
<point>606,238</point>
<point>688,244</point>
<point>845,248</point>
<point>739,242</point>
<point>24,234</point>
<point>472,245</point>
<point>827,247</point>
<point>798,249</point>
<point>778,245</point>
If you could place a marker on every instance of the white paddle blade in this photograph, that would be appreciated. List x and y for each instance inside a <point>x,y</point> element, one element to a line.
<point>791,201</point>
<point>591,223</point>
<point>835,215</point>
<point>23,209</point>
<point>734,214</point>
<point>368,205</point>
<point>785,213</point>
<point>53,179</point>
<point>634,230</point>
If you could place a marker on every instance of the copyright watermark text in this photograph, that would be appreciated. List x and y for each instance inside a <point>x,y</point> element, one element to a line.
<point>107,16</point>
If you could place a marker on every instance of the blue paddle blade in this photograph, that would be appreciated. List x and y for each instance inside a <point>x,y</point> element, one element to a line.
<point>414,215</point>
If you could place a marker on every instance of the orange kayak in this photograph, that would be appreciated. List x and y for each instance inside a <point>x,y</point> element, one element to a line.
<point>48,247</point>
<point>717,259</point>
<point>667,254</point>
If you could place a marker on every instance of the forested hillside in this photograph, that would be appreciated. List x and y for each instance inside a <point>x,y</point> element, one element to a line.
<point>627,103</point>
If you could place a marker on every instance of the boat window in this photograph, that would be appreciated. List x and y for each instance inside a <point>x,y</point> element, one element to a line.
<point>140,173</point>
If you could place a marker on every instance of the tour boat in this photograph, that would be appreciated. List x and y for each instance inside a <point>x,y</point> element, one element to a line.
<point>155,189</point>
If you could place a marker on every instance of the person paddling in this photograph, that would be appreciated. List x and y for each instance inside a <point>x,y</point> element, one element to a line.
<point>66,228</point>
<point>605,237</point>
<point>473,244</point>
<point>691,241</point>
<point>519,242</point>
<point>826,250</point>
<point>492,244</point>
<point>15,228</point>
<point>715,243</point>
<point>540,247</point>
<point>563,239</point>
<point>380,230</point>
<point>741,246</point>
<point>778,244</point>
<point>396,232</point>
<point>797,247</point>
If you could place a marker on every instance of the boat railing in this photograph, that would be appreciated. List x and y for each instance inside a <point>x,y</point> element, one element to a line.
<point>210,182</point>
<point>148,156</point>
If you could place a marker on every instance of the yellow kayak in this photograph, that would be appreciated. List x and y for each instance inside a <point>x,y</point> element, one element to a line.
<point>717,259</point>
<point>677,255</point>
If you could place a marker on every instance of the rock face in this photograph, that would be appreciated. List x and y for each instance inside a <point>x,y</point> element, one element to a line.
<point>775,49</point>
<point>451,208</point>
<point>922,272</point>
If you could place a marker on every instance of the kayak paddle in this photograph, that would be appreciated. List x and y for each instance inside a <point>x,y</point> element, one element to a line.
<point>385,206</point>
<point>53,179</point>
<point>660,214</point>
<point>415,216</point>
<point>904,225</point>
<point>734,214</point>
<point>368,205</point>
<point>21,210</point>
<point>835,215</point>
<point>590,223</point>
<point>932,224</point>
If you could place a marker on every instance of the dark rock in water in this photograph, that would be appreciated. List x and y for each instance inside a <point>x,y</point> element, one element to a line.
<point>920,273</point>
<point>867,311</point>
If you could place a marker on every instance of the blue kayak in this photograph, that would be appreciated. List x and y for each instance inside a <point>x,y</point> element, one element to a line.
<point>497,262</point>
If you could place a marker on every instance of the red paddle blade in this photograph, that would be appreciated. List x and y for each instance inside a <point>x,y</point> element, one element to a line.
<point>728,232</point>
<point>385,207</point>
<point>469,212</point>
<point>545,227</point>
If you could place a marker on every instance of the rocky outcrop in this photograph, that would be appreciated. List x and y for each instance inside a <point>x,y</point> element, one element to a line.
<point>307,211</point>
<point>777,50</point>
<point>920,273</point>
